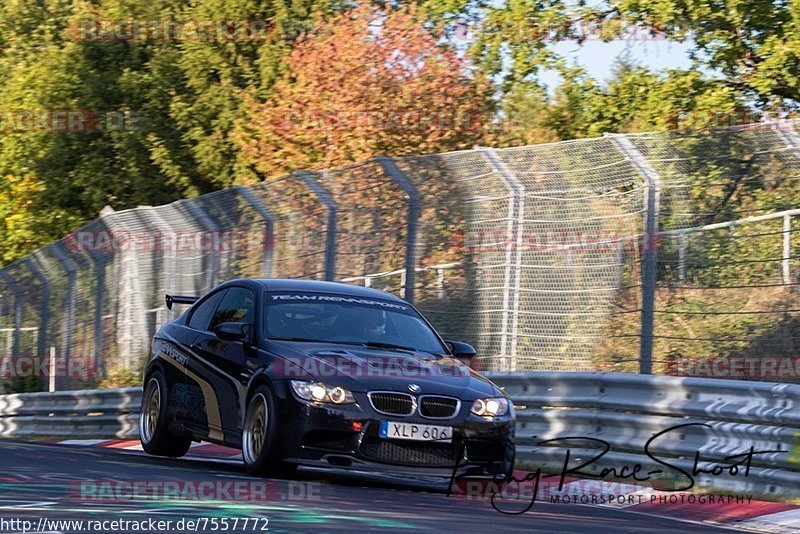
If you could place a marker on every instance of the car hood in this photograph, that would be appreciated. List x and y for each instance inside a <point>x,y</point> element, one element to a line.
<point>362,370</point>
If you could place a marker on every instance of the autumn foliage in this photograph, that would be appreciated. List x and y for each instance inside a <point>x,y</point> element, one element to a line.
<point>365,83</point>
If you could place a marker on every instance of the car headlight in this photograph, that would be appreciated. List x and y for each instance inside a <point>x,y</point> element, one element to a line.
<point>490,407</point>
<point>319,392</point>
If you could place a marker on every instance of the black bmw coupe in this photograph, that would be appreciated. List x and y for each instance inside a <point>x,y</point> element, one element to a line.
<point>299,372</point>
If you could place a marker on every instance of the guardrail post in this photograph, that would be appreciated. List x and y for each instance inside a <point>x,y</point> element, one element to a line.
<point>787,249</point>
<point>18,300</point>
<point>330,230</point>
<point>516,214</point>
<point>652,200</point>
<point>51,387</point>
<point>269,226</point>
<point>682,242</point>
<point>414,209</point>
<point>44,304</point>
<point>69,313</point>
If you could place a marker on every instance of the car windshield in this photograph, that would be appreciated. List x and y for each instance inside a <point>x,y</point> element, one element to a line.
<point>328,318</point>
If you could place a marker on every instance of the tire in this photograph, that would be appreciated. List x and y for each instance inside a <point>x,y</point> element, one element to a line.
<point>153,421</point>
<point>260,440</point>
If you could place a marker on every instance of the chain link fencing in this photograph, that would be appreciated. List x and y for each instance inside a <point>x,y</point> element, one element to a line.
<point>668,252</point>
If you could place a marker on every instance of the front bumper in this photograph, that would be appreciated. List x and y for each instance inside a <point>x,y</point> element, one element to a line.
<point>346,436</point>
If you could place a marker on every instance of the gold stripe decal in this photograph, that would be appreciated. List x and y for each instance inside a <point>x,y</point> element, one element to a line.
<point>211,402</point>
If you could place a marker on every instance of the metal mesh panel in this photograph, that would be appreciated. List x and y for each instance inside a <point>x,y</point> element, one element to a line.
<point>299,228</point>
<point>583,205</point>
<point>478,310</point>
<point>445,281</point>
<point>32,307</point>
<point>725,288</point>
<point>239,234</point>
<point>371,227</point>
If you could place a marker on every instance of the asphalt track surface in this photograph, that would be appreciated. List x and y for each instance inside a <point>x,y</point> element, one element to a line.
<point>40,480</point>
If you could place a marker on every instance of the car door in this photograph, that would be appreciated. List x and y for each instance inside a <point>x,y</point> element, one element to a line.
<point>197,390</point>
<point>224,364</point>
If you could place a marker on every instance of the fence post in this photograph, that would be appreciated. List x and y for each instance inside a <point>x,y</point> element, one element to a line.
<point>100,260</point>
<point>511,293</point>
<point>330,231</point>
<point>652,201</point>
<point>789,135</point>
<point>168,256</point>
<point>100,263</point>
<point>269,226</point>
<point>414,209</point>
<point>131,330</point>
<point>69,313</point>
<point>208,224</point>
<point>18,299</point>
<point>124,282</point>
<point>44,304</point>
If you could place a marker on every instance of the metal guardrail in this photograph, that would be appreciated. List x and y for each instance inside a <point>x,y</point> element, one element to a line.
<point>623,410</point>
<point>626,410</point>
<point>102,413</point>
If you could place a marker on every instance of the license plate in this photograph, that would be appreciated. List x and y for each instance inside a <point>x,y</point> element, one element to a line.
<point>392,430</point>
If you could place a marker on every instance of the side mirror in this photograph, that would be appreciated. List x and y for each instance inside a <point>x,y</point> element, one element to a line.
<point>462,350</point>
<point>232,331</point>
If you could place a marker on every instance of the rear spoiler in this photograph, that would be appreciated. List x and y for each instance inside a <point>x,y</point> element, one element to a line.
<point>178,299</point>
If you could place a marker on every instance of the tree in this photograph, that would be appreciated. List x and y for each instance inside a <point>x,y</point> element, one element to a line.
<point>635,99</point>
<point>179,96</point>
<point>216,73</point>
<point>512,40</point>
<point>367,82</point>
<point>753,44</point>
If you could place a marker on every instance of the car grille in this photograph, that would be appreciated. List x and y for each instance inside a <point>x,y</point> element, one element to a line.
<point>392,403</point>
<point>417,454</point>
<point>438,407</point>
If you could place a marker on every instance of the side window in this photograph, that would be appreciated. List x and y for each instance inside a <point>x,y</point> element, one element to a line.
<point>238,306</point>
<point>202,315</point>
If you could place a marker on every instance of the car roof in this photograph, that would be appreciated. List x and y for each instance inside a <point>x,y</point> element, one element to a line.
<point>288,284</point>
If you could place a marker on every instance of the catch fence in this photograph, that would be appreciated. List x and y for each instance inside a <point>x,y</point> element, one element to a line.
<point>645,252</point>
